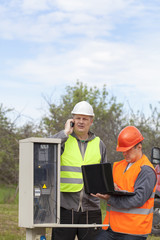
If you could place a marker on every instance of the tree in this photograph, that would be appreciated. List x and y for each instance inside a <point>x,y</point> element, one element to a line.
<point>149,127</point>
<point>28,130</point>
<point>8,149</point>
<point>108,114</point>
<point>110,118</point>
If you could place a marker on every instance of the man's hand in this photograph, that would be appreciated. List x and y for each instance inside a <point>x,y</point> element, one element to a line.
<point>116,187</point>
<point>102,196</point>
<point>68,129</point>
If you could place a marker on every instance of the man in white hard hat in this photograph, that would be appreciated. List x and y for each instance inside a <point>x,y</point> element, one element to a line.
<point>79,146</point>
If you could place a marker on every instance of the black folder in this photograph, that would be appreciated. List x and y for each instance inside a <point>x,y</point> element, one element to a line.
<point>98,179</point>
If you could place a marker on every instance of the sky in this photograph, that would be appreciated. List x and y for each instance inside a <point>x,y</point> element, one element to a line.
<point>46,45</point>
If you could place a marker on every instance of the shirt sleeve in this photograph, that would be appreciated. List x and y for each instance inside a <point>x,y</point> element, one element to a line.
<point>63,138</point>
<point>143,188</point>
<point>61,135</point>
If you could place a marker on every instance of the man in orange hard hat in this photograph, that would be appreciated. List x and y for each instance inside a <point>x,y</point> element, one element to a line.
<point>130,217</point>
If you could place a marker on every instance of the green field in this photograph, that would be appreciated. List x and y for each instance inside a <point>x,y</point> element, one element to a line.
<point>9,229</point>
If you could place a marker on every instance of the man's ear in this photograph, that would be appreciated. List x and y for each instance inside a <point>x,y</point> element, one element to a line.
<point>140,146</point>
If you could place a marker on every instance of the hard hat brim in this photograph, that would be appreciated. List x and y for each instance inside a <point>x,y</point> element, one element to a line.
<point>124,149</point>
<point>82,113</point>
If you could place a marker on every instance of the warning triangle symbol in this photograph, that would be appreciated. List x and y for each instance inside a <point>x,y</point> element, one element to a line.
<point>44,186</point>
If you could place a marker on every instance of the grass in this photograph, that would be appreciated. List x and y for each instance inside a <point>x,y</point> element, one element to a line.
<point>8,194</point>
<point>9,223</point>
<point>9,229</point>
<point>9,215</point>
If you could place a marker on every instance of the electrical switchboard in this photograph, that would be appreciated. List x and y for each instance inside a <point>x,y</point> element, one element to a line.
<point>39,181</point>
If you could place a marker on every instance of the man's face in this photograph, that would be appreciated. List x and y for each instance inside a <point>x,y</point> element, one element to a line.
<point>82,123</point>
<point>133,154</point>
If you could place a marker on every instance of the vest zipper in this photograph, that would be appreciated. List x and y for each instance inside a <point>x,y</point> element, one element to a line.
<point>81,193</point>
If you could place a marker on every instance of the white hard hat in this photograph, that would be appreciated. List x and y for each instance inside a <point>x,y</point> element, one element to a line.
<point>83,108</point>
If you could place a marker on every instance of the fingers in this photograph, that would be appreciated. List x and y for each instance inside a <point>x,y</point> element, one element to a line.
<point>102,196</point>
<point>69,127</point>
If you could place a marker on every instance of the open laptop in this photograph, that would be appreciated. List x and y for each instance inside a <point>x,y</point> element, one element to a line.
<point>98,179</point>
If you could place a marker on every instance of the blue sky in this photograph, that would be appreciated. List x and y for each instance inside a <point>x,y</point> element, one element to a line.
<point>46,45</point>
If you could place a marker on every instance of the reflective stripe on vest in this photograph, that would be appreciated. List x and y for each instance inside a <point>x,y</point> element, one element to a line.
<point>133,210</point>
<point>71,162</point>
<point>136,221</point>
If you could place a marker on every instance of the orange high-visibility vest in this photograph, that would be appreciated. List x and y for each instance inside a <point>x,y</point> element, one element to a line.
<point>136,220</point>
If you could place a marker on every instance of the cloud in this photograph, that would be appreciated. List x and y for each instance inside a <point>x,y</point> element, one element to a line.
<point>111,63</point>
<point>50,21</point>
<point>98,42</point>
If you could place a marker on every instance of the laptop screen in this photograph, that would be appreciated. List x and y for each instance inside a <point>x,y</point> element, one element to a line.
<point>98,178</point>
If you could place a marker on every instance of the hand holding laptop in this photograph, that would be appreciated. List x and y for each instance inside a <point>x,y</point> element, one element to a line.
<point>106,196</point>
<point>102,196</point>
<point>116,187</point>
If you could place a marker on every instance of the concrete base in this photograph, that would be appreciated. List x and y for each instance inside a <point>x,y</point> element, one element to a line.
<point>35,233</point>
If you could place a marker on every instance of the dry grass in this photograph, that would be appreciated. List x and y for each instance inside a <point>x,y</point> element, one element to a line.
<point>9,224</point>
<point>9,229</point>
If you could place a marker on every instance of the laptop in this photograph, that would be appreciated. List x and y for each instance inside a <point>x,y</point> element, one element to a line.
<point>98,179</point>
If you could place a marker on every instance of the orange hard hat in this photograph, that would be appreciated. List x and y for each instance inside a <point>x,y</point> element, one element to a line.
<point>128,138</point>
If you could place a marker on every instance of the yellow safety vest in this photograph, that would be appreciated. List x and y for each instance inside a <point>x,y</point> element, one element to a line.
<point>138,220</point>
<point>71,162</point>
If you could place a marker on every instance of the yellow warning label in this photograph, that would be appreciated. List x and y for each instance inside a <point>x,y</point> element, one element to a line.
<point>44,186</point>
